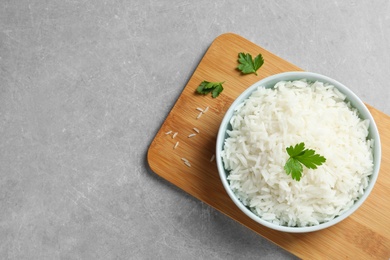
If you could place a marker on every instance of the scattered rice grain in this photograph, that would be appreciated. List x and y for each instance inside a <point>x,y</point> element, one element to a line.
<point>200,114</point>
<point>196,129</point>
<point>168,133</point>
<point>191,135</point>
<point>174,135</point>
<point>176,145</point>
<point>187,163</point>
<point>212,158</point>
<point>206,109</point>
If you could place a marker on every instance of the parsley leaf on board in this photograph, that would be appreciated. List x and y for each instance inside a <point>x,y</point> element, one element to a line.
<point>247,65</point>
<point>300,156</point>
<point>206,87</point>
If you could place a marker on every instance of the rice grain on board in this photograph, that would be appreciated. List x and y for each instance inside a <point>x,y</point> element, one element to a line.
<point>200,114</point>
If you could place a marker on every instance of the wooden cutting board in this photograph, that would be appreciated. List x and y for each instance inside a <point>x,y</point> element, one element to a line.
<point>364,235</point>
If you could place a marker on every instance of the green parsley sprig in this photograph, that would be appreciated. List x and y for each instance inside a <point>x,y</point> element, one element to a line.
<point>300,156</point>
<point>247,65</point>
<point>214,87</point>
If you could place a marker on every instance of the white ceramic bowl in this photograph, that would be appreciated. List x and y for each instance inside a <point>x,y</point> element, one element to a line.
<point>268,83</point>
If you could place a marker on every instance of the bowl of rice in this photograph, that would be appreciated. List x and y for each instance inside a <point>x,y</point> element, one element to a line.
<point>282,111</point>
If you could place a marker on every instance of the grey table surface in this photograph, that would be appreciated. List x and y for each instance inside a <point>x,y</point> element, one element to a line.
<point>85,86</point>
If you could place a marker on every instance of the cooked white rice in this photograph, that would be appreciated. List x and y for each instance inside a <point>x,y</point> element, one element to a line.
<point>293,112</point>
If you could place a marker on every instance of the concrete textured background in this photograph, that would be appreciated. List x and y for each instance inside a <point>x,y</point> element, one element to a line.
<point>84,87</point>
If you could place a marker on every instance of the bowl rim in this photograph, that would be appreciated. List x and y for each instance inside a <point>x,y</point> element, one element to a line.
<point>290,76</point>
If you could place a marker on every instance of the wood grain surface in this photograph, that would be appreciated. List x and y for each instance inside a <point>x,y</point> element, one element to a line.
<point>364,235</point>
